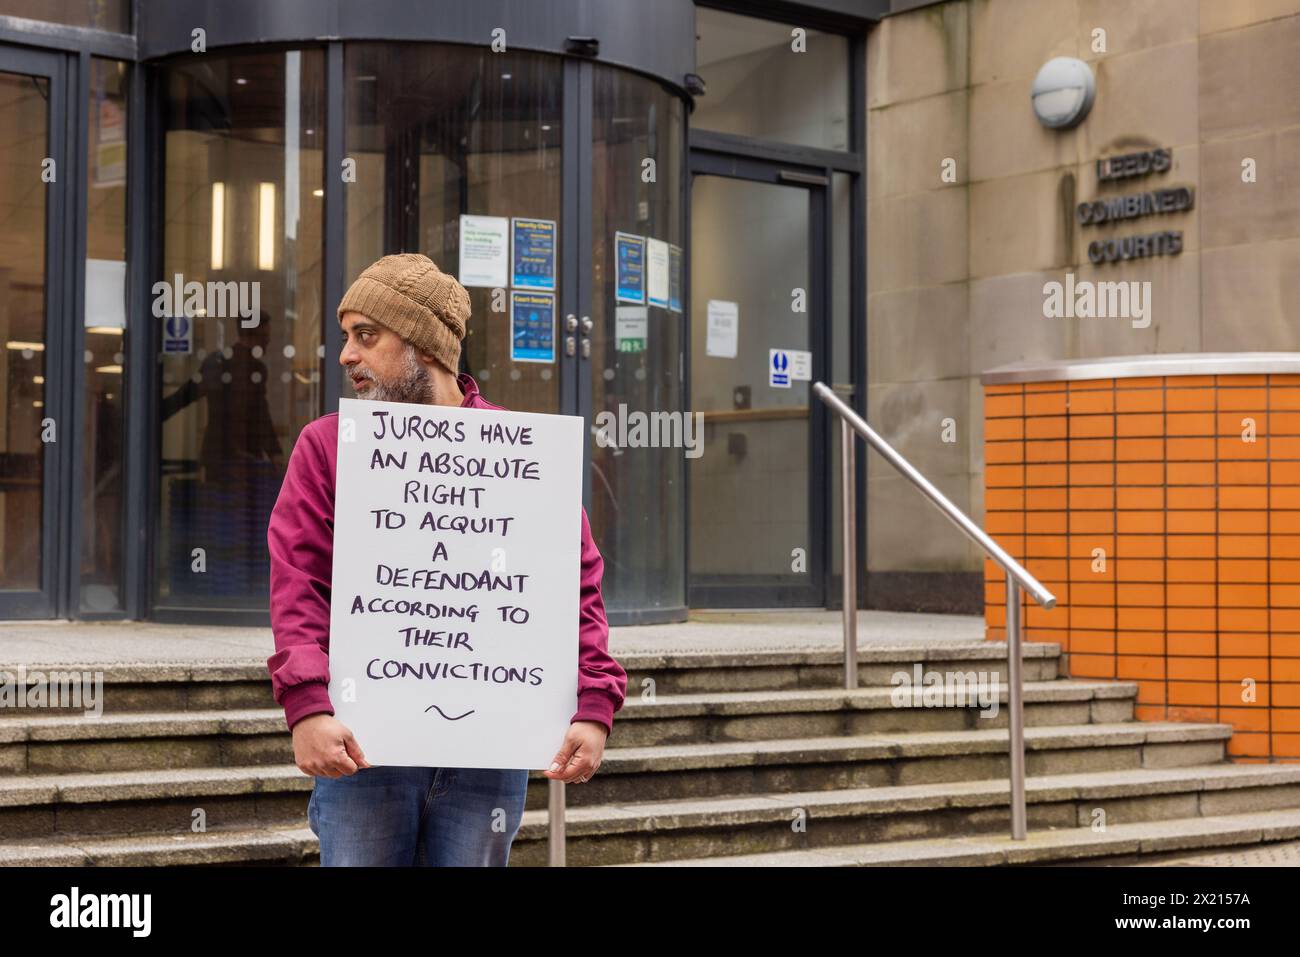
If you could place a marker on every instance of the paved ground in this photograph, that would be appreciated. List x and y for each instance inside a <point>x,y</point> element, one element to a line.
<point>62,642</point>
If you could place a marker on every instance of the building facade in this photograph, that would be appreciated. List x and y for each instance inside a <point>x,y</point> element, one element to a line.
<point>193,185</point>
<point>712,190</point>
<point>974,207</point>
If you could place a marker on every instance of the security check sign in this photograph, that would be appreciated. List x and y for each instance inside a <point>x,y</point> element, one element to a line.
<point>454,605</point>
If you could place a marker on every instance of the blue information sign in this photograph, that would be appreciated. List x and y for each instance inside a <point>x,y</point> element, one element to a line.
<point>533,253</point>
<point>629,256</point>
<point>532,326</point>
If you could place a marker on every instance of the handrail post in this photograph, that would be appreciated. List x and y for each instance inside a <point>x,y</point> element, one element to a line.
<point>849,549</point>
<point>555,819</point>
<point>1016,712</point>
<point>1017,577</point>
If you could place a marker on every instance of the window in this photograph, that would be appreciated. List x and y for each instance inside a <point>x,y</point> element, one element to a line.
<point>241,361</point>
<point>763,80</point>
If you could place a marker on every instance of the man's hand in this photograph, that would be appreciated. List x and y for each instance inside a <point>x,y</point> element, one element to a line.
<point>324,747</point>
<point>579,755</point>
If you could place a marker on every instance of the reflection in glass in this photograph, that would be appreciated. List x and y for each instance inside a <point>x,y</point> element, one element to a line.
<point>114,15</point>
<point>438,132</point>
<point>241,364</point>
<point>24,135</point>
<point>637,492</point>
<point>760,84</point>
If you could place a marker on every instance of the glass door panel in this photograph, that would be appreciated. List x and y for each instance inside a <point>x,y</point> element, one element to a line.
<point>30,181</point>
<point>753,541</point>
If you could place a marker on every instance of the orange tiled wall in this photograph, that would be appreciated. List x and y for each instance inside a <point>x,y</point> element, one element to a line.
<point>1200,584</point>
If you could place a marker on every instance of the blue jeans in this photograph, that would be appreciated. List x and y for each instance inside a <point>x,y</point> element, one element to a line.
<point>430,817</point>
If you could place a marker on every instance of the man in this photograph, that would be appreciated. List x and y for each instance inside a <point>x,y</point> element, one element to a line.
<point>403,322</point>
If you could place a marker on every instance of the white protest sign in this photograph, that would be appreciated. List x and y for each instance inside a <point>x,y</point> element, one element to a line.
<point>454,611</point>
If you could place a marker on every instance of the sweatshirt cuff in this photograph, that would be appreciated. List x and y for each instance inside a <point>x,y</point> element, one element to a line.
<point>303,700</point>
<point>595,704</point>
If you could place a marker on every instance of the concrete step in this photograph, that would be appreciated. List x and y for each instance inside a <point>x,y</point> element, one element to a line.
<point>883,760</point>
<point>33,807</point>
<point>206,686</point>
<point>649,834</point>
<point>820,712</point>
<point>153,799</point>
<point>764,823</point>
<point>264,847</point>
<point>697,672</point>
<point>147,686</point>
<point>1122,843</point>
<point>51,744</point>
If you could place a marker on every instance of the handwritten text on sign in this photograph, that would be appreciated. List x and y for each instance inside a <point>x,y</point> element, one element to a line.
<point>454,612</point>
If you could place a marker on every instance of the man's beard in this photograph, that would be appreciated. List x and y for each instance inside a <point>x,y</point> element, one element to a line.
<point>412,384</point>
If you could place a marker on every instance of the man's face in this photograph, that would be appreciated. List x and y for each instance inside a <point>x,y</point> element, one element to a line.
<point>381,364</point>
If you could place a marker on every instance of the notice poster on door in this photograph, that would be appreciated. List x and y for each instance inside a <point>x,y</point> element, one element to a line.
<point>656,273</point>
<point>532,326</point>
<point>674,278</point>
<point>533,253</point>
<point>484,251</point>
<point>629,263</point>
<point>800,365</point>
<point>723,330</point>
<point>630,328</point>
<point>110,143</point>
<point>454,609</point>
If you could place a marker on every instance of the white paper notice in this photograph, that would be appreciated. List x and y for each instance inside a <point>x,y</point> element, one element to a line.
<point>484,251</point>
<point>800,365</point>
<point>656,272</point>
<point>630,328</point>
<point>106,293</point>
<point>723,329</point>
<point>454,611</point>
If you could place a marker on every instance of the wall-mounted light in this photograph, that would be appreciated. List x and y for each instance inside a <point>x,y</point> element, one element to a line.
<point>266,226</point>
<point>218,226</point>
<point>1063,92</point>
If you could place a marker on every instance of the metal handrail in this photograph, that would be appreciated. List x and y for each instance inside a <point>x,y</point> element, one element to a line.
<point>1017,577</point>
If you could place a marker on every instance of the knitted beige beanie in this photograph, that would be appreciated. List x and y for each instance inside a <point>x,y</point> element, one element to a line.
<point>410,295</point>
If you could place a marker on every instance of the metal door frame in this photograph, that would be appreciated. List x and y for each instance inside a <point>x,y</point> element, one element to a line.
<point>57,569</point>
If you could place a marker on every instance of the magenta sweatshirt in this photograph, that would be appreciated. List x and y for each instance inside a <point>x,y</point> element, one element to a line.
<point>301,540</point>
